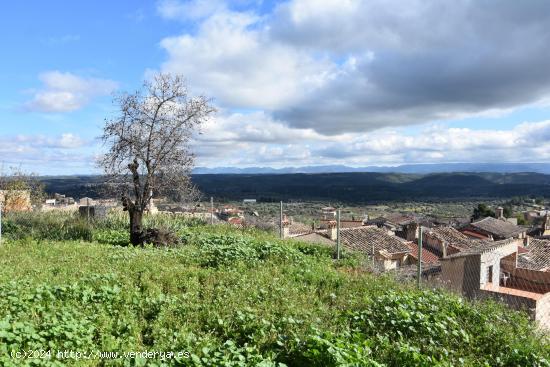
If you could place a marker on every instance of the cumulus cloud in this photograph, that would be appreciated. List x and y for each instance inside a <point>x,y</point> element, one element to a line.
<point>236,63</point>
<point>46,154</point>
<point>236,139</point>
<point>351,66</point>
<point>253,127</point>
<point>64,92</point>
<point>527,142</point>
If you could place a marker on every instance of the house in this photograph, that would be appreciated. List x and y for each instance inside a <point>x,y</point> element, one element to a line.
<point>61,199</point>
<point>404,226</point>
<point>389,251</point>
<point>541,226</point>
<point>445,241</point>
<point>427,255</point>
<point>50,202</point>
<point>249,201</point>
<point>490,270</point>
<point>535,255</point>
<point>328,213</point>
<point>15,200</point>
<point>490,228</point>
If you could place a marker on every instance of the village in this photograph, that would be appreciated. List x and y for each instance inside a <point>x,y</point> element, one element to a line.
<point>490,257</point>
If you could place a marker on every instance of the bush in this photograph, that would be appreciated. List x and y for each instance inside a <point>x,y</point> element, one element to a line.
<point>47,226</point>
<point>225,250</point>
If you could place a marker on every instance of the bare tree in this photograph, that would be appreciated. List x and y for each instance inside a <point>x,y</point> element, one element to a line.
<point>149,145</point>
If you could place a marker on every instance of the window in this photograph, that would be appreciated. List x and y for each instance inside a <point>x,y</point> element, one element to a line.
<point>490,274</point>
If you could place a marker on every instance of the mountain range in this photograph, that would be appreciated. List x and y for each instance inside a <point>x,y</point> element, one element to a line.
<point>406,168</point>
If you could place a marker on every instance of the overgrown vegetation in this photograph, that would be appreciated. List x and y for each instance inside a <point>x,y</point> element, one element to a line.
<point>232,297</point>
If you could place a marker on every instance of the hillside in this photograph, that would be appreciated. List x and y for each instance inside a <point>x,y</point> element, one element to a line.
<point>233,298</point>
<point>346,187</point>
<point>374,187</point>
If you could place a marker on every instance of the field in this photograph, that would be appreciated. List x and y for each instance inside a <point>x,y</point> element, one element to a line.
<point>228,297</point>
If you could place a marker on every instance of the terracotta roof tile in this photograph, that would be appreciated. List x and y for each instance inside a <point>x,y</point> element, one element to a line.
<point>364,238</point>
<point>537,256</point>
<point>428,257</point>
<point>497,227</point>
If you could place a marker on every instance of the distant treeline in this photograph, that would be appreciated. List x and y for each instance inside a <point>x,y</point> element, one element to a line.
<point>345,187</point>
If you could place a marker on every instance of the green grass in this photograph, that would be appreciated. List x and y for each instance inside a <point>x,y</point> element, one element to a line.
<point>235,298</point>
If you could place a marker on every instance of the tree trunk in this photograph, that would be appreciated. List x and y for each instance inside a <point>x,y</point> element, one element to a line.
<point>136,230</point>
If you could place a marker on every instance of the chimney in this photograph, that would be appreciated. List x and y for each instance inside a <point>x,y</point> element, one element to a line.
<point>332,230</point>
<point>286,229</point>
<point>546,224</point>
<point>499,213</point>
<point>411,231</point>
<point>526,241</point>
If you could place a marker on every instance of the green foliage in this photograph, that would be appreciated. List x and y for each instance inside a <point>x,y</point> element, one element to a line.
<point>232,297</point>
<point>115,237</point>
<point>224,250</point>
<point>521,220</point>
<point>507,211</point>
<point>482,211</point>
<point>46,226</point>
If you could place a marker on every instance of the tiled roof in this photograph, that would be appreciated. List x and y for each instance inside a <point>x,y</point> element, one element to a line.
<point>481,247</point>
<point>497,227</point>
<point>313,238</point>
<point>451,236</point>
<point>537,256</point>
<point>474,234</point>
<point>364,238</point>
<point>299,228</point>
<point>345,223</point>
<point>428,257</point>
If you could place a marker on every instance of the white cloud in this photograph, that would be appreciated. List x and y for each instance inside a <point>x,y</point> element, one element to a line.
<point>256,127</point>
<point>353,66</point>
<point>63,92</point>
<point>231,59</point>
<point>46,154</point>
<point>237,140</point>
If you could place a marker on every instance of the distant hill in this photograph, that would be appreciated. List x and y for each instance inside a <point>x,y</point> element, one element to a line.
<point>368,187</point>
<point>356,187</point>
<point>407,168</point>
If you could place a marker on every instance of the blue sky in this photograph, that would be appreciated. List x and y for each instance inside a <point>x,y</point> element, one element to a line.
<point>298,82</point>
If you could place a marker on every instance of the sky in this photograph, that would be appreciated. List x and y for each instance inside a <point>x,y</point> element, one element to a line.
<point>295,83</point>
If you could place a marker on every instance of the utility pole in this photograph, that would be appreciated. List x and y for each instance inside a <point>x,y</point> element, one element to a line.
<point>211,210</point>
<point>338,234</point>
<point>281,221</point>
<point>0,222</point>
<point>419,270</point>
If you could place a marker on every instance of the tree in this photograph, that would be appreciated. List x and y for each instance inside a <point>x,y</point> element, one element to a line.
<point>149,145</point>
<point>507,211</point>
<point>482,211</point>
